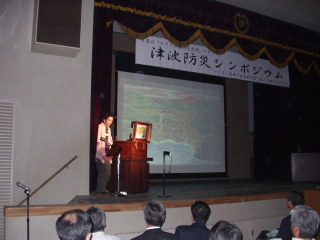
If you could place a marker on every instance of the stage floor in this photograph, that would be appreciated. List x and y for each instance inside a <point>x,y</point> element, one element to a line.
<point>181,194</point>
<point>197,189</point>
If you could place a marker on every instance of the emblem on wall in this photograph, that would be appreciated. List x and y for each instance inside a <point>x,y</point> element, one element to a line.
<point>241,23</point>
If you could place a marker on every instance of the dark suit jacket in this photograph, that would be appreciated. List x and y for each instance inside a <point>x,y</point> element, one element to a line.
<point>155,234</point>
<point>285,229</point>
<point>196,231</point>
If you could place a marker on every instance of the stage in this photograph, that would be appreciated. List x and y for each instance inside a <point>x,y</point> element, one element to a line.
<point>214,191</point>
<point>178,193</point>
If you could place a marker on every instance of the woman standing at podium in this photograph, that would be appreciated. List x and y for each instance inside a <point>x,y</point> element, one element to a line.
<point>103,162</point>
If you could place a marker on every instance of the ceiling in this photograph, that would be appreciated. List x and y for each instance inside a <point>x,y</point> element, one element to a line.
<point>304,13</point>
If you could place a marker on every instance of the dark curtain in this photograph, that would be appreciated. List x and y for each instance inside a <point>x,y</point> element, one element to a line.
<point>306,107</point>
<point>100,83</point>
<point>286,120</point>
<point>183,21</point>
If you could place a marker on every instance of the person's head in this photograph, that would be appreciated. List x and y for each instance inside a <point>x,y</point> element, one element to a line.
<point>98,218</point>
<point>295,198</point>
<point>304,222</point>
<point>200,212</point>
<point>74,225</point>
<point>154,213</point>
<point>223,230</point>
<point>219,224</point>
<point>108,118</point>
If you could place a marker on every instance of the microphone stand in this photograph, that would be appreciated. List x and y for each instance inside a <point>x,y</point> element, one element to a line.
<point>118,176</point>
<point>28,225</point>
<point>27,192</point>
<point>119,193</point>
<point>164,176</point>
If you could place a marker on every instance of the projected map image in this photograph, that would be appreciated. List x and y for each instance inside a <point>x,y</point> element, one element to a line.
<point>186,119</point>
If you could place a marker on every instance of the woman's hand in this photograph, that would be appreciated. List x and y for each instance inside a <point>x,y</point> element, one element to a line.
<point>108,158</point>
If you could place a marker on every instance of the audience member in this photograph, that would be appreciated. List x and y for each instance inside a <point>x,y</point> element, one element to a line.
<point>223,230</point>
<point>305,222</point>
<point>98,218</point>
<point>155,215</point>
<point>295,198</point>
<point>284,232</point>
<point>74,225</point>
<point>219,224</point>
<point>200,212</point>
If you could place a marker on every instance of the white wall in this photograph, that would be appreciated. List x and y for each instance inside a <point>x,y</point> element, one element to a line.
<point>52,106</point>
<point>252,217</point>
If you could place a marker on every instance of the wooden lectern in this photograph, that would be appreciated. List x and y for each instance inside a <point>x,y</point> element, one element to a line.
<point>134,166</point>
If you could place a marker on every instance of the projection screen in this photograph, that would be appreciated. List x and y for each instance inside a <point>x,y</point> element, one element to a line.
<point>187,120</point>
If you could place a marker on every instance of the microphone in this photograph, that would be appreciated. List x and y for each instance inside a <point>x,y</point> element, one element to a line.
<point>19,184</point>
<point>167,153</point>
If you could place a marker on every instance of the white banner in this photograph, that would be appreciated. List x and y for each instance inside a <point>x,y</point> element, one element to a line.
<point>159,52</point>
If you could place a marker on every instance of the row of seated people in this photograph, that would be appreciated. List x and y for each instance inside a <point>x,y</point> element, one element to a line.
<point>79,225</point>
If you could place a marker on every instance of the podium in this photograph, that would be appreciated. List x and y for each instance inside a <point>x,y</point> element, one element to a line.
<point>134,166</point>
